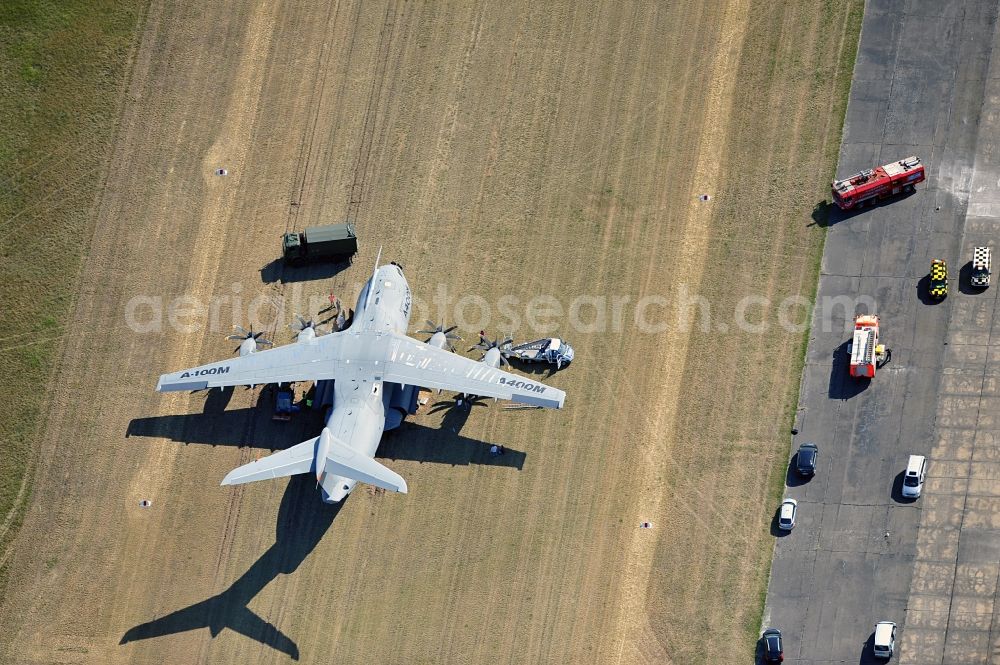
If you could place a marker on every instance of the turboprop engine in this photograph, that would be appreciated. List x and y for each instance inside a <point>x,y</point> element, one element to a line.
<point>492,355</point>
<point>440,337</point>
<point>305,330</point>
<point>248,340</point>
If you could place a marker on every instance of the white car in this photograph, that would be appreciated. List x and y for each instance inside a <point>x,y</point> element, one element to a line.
<point>914,476</point>
<point>885,639</point>
<point>786,516</point>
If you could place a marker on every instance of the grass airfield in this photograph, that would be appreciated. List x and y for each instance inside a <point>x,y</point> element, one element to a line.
<point>556,150</point>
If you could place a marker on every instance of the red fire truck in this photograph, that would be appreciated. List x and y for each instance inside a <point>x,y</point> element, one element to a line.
<point>877,183</point>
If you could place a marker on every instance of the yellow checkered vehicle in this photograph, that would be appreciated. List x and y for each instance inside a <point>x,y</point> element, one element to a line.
<point>939,279</point>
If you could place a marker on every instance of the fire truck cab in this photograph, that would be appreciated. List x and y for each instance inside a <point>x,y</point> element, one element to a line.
<point>878,183</point>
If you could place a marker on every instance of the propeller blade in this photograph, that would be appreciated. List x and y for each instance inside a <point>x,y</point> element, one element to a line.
<point>265,342</point>
<point>426,332</point>
<point>236,337</point>
<point>430,324</point>
<point>241,331</point>
<point>448,330</point>
<point>506,342</point>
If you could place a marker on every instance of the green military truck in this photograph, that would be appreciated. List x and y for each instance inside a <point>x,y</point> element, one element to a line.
<point>336,242</point>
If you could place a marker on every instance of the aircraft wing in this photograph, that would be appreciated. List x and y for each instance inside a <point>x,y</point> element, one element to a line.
<point>382,356</point>
<point>308,361</point>
<point>411,362</point>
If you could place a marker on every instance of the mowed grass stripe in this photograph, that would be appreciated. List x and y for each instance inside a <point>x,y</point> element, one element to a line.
<point>731,446</point>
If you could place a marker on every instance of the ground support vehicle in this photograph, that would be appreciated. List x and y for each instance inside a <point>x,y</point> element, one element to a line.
<point>336,242</point>
<point>550,350</point>
<point>866,352</point>
<point>885,639</point>
<point>938,286</point>
<point>872,185</point>
<point>982,258</point>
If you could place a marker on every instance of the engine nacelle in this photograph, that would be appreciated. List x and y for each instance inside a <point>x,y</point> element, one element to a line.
<point>248,346</point>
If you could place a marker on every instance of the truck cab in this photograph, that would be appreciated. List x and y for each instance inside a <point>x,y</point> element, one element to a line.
<point>293,248</point>
<point>559,352</point>
<point>981,267</point>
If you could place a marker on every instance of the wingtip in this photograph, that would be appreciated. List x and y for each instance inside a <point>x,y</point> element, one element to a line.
<point>163,386</point>
<point>540,402</point>
<point>228,480</point>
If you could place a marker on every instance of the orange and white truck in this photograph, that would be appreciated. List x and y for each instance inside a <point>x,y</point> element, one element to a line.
<point>866,352</point>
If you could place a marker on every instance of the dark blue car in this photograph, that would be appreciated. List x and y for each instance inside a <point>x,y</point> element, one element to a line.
<point>773,651</point>
<point>805,460</point>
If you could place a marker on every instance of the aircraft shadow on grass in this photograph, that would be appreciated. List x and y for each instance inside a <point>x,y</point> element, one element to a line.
<point>302,522</point>
<point>302,518</point>
<point>411,441</point>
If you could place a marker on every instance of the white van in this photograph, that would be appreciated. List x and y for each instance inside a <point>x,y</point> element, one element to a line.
<point>913,478</point>
<point>885,639</point>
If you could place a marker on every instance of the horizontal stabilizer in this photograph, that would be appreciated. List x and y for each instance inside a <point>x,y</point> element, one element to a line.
<point>337,459</point>
<point>342,460</point>
<point>289,462</point>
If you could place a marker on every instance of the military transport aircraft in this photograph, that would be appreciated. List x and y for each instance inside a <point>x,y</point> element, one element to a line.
<point>376,369</point>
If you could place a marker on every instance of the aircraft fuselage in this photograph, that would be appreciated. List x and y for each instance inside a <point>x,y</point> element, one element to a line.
<point>358,416</point>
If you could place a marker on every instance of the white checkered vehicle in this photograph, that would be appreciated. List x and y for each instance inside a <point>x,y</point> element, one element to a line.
<point>981,266</point>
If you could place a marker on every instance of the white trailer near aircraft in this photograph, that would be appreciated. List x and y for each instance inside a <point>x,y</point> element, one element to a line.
<point>550,350</point>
